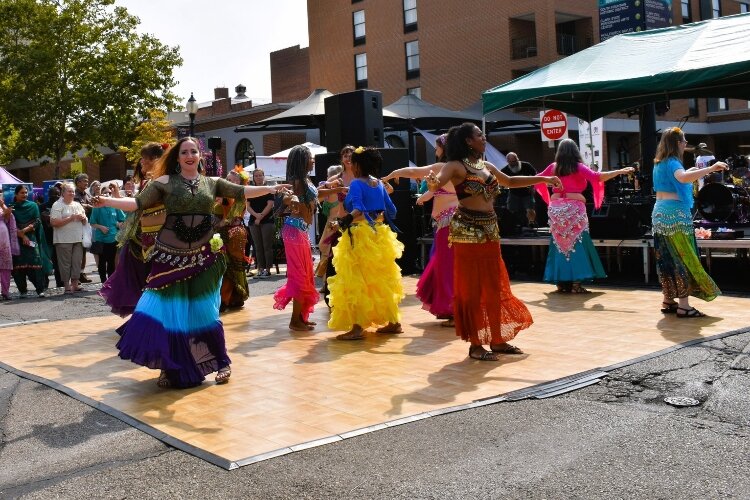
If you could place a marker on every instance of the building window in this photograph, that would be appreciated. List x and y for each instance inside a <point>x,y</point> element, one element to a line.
<point>360,71</point>
<point>744,7</point>
<point>715,8</point>
<point>717,104</point>
<point>412,59</point>
<point>686,16</point>
<point>244,153</point>
<point>692,107</point>
<point>410,15</point>
<point>358,19</point>
<point>415,91</point>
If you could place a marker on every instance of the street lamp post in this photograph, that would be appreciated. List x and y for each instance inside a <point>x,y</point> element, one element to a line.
<point>192,109</point>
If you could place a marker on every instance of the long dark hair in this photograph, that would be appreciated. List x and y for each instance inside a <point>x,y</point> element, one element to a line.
<point>368,160</point>
<point>440,142</point>
<point>456,148</point>
<point>567,158</point>
<point>168,164</point>
<point>296,167</point>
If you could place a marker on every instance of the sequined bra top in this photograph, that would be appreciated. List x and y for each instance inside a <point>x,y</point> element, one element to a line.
<point>474,184</point>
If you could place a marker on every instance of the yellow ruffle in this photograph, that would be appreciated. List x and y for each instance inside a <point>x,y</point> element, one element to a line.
<point>367,288</point>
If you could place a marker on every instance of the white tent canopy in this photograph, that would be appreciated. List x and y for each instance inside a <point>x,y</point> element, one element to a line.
<point>275,165</point>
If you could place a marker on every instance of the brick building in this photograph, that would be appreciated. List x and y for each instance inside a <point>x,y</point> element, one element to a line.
<point>448,52</point>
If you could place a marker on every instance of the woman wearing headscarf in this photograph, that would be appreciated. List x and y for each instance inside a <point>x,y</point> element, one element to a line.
<point>33,261</point>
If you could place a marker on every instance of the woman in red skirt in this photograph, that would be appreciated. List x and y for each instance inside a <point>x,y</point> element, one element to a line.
<point>485,310</point>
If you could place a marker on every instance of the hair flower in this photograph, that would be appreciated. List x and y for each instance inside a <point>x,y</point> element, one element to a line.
<point>676,130</point>
<point>702,233</point>
<point>216,243</point>
<point>359,150</point>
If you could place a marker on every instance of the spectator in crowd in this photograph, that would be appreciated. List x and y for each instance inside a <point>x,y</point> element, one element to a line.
<point>8,247</point>
<point>32,262</point>
<point>105,223</point>
<point>67,218</point>
<point>83,197</point>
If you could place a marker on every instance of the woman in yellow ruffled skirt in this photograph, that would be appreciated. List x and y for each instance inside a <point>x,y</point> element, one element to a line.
<point>366,289</point>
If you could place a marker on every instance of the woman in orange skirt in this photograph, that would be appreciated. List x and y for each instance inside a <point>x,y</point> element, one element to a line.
<point>485,310</point>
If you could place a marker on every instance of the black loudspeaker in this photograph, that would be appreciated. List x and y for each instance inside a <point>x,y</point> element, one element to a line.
<point>408,231</point>
<point>354,118</point>
<point>214,143</point>
<point>393,159</point>
<point>615,221</point>
<point>322,162</point>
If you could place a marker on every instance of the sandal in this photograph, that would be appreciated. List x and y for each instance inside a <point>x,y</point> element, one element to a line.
<point>689,313</point>
<point>669,307</point>
<point>563,288</point>
<point>163,381</point>
<point>222,377</point>
<point>505,348</point>
<point>449,323</point>
<point>577,288</point>
<point>391,328</point>
<point>485,356</point>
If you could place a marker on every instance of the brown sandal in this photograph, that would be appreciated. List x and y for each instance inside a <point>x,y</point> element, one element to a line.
<point>689,313</point>
<point>163,381</point>
<point>669,307</point>
<point>222,376</point>
<point>505,348</point>
<point>484,356</point>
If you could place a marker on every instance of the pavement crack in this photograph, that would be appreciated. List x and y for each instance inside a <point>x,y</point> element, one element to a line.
<point>40,484</point>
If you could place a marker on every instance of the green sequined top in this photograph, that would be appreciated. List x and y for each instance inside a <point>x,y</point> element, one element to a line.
<point>180,198</point>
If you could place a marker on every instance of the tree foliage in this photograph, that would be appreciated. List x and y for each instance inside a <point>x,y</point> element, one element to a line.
<point>75,74</point>
<point>155,129</point>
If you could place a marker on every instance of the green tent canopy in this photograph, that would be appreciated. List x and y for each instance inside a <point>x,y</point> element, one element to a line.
<point>704,59</point>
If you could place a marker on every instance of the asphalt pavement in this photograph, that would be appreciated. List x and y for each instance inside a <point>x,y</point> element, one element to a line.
<point>615,439</point>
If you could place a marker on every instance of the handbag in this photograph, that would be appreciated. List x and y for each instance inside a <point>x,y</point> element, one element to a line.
<point>86,235</point>
<point>96,248</point>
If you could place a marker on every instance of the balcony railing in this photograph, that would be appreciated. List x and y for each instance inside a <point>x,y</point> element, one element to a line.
<point>570,44</point>
<point>523,47</point>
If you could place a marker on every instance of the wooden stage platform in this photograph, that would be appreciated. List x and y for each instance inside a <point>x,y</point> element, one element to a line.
<point>290,391</point>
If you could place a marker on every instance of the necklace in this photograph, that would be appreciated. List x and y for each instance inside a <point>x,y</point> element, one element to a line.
<point>191,184</point>
<point>477,165</point>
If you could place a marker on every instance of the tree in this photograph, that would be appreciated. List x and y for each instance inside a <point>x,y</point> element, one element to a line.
<point>75,74</point>
<point>155,129</point>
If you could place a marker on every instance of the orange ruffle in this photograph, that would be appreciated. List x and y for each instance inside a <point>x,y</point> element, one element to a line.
<point>485,310</point>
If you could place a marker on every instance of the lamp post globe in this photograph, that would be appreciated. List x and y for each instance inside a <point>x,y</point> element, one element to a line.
<point>192,109</point>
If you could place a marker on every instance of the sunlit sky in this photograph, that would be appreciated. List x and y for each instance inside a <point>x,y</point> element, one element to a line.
<point>223,42</point>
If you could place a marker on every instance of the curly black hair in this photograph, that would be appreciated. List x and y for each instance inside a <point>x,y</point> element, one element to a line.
<point>368,160</point>
<point>456,148</point>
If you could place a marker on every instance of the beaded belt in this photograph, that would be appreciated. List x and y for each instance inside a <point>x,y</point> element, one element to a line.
<point>296,222</point>
<point>470,226</point>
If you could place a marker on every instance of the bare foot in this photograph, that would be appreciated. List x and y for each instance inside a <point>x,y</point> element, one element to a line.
<point>391,328</point>
<point>310,323</point>
<point>355,333</point>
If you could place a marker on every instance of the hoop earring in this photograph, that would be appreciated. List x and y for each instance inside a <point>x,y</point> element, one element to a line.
<point>200,166</point>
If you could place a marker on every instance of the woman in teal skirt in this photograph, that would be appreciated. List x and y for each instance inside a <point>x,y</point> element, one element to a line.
<point>678,265</point>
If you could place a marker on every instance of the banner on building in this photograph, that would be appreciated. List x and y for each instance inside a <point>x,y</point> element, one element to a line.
<point>626,16</point>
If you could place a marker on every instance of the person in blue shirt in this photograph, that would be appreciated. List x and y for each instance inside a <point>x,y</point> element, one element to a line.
<point>677,262</point>
<point>105,223</point>
<point>366,289</point>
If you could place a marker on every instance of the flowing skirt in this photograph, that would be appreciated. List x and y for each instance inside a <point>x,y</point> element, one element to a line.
<point>572,255</point>
<point>300,281</point>
<point>678,266</point>
<point>234,289</point>
<point>367,288</point>
<point>435,286</point>
<point>175,326</point>
<point>123,288</point>
<point>485,310</point>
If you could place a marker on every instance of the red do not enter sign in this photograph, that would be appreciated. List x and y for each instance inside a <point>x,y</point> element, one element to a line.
<point>554,125</point>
